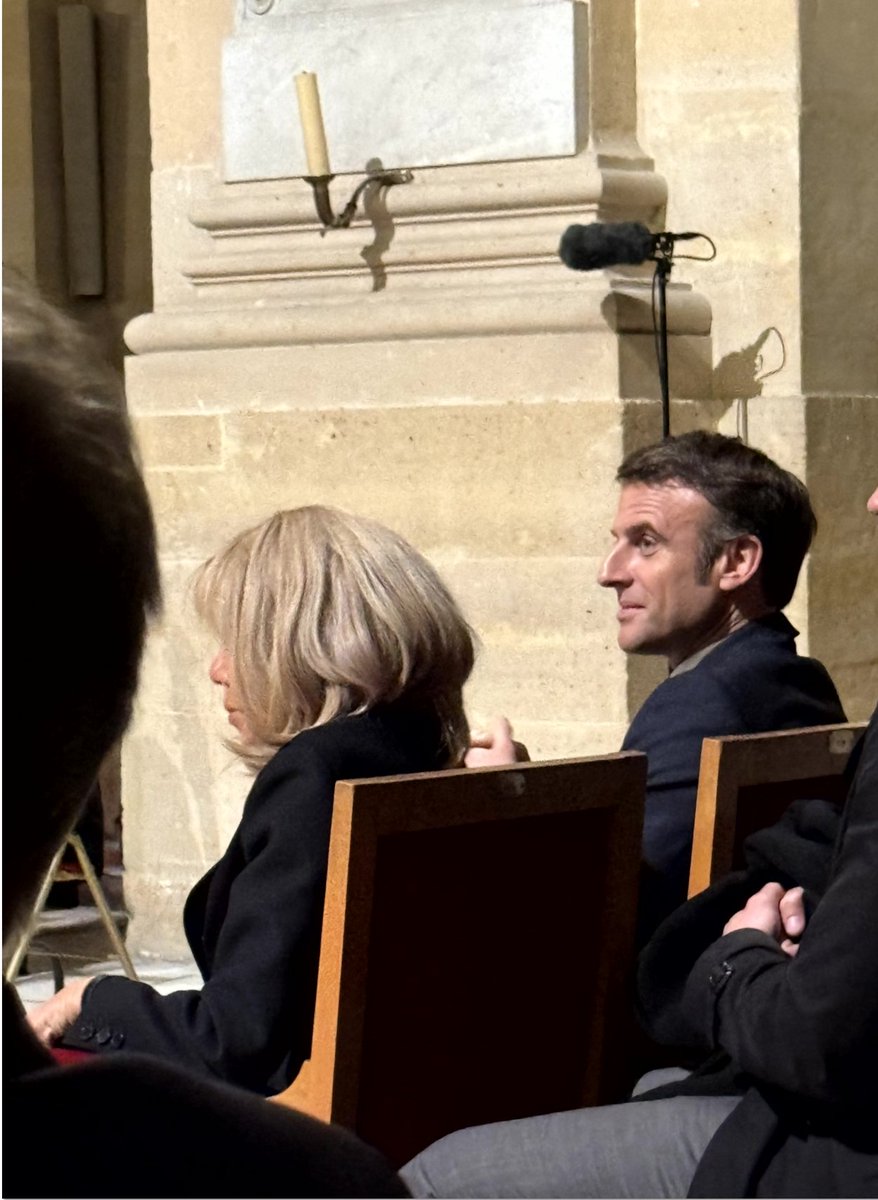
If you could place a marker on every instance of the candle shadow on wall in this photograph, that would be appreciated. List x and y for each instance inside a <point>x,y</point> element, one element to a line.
<point>375,208</point>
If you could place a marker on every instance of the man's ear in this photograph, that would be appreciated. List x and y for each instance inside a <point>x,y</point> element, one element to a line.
<point>741,558</point>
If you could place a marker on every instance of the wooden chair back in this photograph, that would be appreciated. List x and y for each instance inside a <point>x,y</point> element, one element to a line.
<point>746,782</point>
<point>478,936</point>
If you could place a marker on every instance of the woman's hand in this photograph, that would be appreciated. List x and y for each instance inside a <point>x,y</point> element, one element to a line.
<point>772,910</point>
<point>51,1019</point>
<point>494,747</point>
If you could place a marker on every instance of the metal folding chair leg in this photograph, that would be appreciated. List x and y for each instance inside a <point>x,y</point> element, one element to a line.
<point>94,886</point>
<point>27,933</point>
<point>97,892</point>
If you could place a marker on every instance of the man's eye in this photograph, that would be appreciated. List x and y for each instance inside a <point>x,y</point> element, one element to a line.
<point>647,543</point>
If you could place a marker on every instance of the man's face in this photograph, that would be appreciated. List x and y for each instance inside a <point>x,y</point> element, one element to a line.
<point>665,607</point>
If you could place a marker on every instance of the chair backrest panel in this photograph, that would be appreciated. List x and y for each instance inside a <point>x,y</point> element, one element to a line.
<point>747,781</point>
<point>478,933</point>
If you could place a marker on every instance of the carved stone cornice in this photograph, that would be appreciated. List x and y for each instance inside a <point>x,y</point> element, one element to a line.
<point>470,250</point>
<point>525,305</point>
<point>562,185</point>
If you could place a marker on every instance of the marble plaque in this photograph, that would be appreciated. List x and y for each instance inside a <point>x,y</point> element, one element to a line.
<point>408,84</point>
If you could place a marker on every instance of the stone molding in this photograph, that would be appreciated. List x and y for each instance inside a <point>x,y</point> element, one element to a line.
<point>464,250</point>
<point>561,185</point>
<point>568,304</point>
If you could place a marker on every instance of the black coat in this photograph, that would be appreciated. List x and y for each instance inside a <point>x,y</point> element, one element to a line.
<point>799,1037</point>
<point>753,682</point>
<point>253,922</point>
<point>132,1126</point>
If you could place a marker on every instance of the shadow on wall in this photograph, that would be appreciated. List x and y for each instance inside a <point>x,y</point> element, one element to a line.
<point>375,208</point>
<point>739,375</point>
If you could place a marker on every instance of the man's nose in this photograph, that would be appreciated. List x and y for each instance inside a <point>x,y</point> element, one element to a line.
<point>615,569</point>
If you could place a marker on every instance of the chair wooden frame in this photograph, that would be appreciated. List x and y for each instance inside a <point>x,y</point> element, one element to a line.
<point>55,875</point>
<point>368,815</point>
<point>729,764</point>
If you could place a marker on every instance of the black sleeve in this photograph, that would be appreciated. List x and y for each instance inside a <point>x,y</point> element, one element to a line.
<point>808,1025</point>
<point>258,1003</point>
<point>798,849</point>
<point>666,961</point>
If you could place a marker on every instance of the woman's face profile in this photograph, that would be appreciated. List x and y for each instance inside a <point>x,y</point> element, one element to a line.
<point>222,673</point>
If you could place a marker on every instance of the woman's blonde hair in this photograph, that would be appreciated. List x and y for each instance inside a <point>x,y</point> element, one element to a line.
<point>325,615</point>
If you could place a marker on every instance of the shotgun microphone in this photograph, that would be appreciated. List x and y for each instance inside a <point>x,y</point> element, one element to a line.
<point>590,247</point>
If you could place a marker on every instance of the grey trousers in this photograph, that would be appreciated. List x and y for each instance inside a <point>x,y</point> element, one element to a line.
<point>639,1149</point>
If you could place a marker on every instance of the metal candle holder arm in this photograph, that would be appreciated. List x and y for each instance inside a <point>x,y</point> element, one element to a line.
<point>323,203</point>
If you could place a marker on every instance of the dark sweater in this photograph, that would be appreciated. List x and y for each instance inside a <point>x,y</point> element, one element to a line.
<point>798,1038</point>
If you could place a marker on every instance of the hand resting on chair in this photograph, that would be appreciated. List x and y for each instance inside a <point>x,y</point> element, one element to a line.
<point>494,746</point>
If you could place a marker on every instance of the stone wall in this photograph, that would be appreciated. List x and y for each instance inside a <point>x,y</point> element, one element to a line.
<point>436,367</point>
<point>34,233</point>
<point>758,114</point>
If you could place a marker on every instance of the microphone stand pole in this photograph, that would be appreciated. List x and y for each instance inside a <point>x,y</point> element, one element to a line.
<point>664,250</point>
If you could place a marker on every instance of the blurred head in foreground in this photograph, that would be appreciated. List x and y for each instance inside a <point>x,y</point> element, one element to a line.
<point>81,578</point>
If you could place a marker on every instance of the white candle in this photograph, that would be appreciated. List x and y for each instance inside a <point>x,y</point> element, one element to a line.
<point>311,117</point>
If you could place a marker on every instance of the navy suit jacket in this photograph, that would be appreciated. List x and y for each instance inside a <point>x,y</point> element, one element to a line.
<point>753,682</point>
<point>254,921</point>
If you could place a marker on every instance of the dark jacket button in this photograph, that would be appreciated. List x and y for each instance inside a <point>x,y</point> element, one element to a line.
<point>86,1032</point>
<point>117,1041</point>
<point>103,1036</point>
<point>718,977</point>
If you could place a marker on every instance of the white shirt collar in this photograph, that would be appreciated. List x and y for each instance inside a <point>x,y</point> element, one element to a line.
<point>694,659</point>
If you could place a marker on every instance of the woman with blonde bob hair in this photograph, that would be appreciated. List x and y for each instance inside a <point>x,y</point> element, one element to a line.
<point>327,615</point>
<point>343,656</point>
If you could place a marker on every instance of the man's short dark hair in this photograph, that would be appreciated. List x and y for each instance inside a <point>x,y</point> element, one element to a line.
<point>750,493</point>
<point>81,576</point>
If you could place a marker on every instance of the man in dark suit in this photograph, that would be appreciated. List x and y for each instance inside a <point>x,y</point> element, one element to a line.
<point>709,538</point>
<point>82,581</point>
<point>785,997</point>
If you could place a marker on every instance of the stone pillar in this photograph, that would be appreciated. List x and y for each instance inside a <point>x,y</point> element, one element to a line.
<point>759,115</point>
<point>19,244</point>
<point>434,366</point>
<point>839,255</point>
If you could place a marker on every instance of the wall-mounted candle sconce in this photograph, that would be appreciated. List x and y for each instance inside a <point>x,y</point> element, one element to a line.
<point>331,220</point>
<point>317,155</point>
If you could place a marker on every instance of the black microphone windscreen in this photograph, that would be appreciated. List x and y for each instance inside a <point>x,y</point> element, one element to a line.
<point>590,247</point>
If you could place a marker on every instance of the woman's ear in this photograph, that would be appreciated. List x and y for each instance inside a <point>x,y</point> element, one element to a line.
<point>740,560</point>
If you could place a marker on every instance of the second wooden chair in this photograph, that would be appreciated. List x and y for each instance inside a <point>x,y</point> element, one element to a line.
<point>478,935</point>
<point>745,782</point>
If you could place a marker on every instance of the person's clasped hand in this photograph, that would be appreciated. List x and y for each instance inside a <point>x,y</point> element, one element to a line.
<point>774,910</point>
